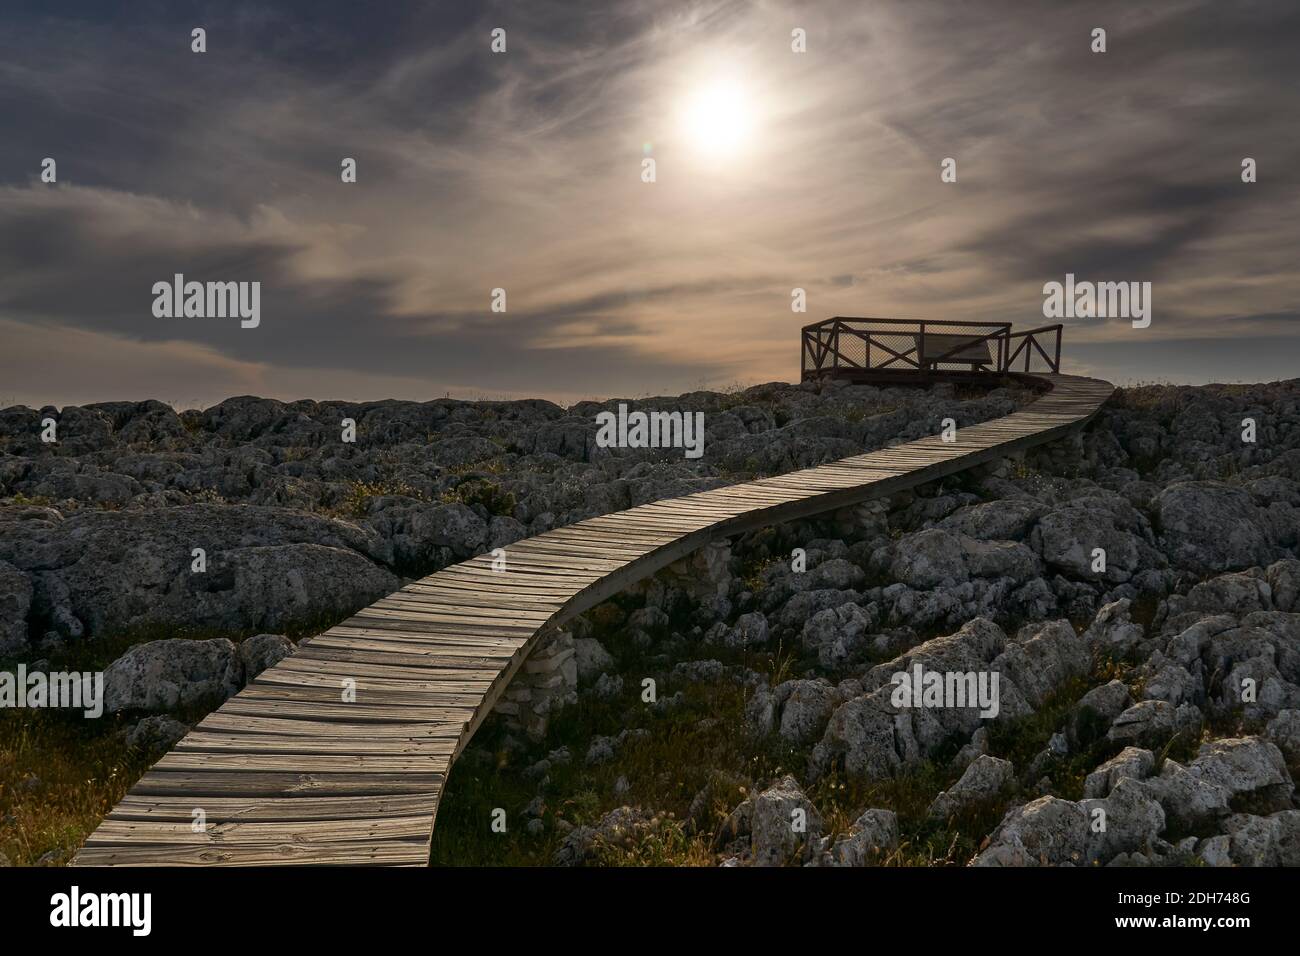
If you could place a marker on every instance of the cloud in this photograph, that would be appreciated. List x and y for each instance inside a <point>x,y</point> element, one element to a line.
<point>522,171</point>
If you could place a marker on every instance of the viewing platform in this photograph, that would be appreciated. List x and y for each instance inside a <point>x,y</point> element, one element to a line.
<point>896,351</point>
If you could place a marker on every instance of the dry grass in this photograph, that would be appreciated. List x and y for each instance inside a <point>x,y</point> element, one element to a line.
<point>355,502</point>
<point>59,775</point>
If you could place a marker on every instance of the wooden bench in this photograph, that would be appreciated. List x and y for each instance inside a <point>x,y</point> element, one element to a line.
<point>972,350</point>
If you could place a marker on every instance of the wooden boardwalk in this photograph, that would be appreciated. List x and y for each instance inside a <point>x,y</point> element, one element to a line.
<point>285,772</point>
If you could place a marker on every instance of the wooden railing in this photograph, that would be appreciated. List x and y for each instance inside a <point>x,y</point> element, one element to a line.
<point>846,344</point>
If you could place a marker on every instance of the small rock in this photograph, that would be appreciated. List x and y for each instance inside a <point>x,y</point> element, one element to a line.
<point>983,781</point>
<point>592,658</point>
<point>154,736</point>
<point>607,687</point>
<point>263,651</point>
<point>783,820</point>
<point>1153,723</point>
<point>873,834</point>
<point>1129,762</point>
<point>1096,711</point>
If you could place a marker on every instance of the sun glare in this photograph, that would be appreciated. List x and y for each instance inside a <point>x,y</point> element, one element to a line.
<point>718,119</point>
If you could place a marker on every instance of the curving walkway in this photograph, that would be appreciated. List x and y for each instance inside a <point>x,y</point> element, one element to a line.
<point>285,772</point>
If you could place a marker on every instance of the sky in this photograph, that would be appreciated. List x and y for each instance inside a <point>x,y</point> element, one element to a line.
<point>523,170</point>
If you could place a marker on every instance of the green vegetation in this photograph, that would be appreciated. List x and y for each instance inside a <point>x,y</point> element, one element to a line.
<point>355,502</point>
<point>39,501</point>
<point>482,492</point>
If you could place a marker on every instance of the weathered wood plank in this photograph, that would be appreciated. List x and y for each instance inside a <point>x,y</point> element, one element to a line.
<point>354,853</point>
<point>137,833</point>
<point>290,809</point>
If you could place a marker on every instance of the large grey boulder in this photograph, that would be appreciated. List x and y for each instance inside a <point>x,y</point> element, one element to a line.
<point>288,587</point>
<point>1169,681</point>
<point>1208,526</point>
<point>835,574</point>
<point>1005,520</point>
<point>1187,797</point>
<point>1272,840</point>
<point>1247,766</point>
<point>1041,658</point>
<point>929,559</point>
<point>837,633</point>
<point>1224,771</point>
<point>1128,820</point>
<point>171,674</point>
<point>429,527</point>
<point>879,733</point>
<point>1044,832</point>
<point>266,569</point>
<point>794,613</point>
<point>1239,592</point>
<point>937,558</point>
<point>1067,537</point>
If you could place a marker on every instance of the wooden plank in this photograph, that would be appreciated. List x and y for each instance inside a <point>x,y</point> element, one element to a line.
<point>335,711</point>
<point>432,657</point>
<point>373,696</point>
<point>356,853</point>
<point>321,765</point>
<point>411,649</point>
<point>136,833</point>
<point>291,809</point>
<point>372,687</point>
<point>197,785</point>
<point>199,741</point>
<point>228,722</point>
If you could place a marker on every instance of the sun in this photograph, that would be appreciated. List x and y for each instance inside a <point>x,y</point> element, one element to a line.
<point>718,118</point>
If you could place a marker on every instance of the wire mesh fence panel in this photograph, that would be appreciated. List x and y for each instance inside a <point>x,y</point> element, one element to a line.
<point>852,349</point>
<point>893,349</point>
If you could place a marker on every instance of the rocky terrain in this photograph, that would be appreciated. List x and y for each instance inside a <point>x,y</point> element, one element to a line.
<point>1136,589</point>
<point>98,528</point>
